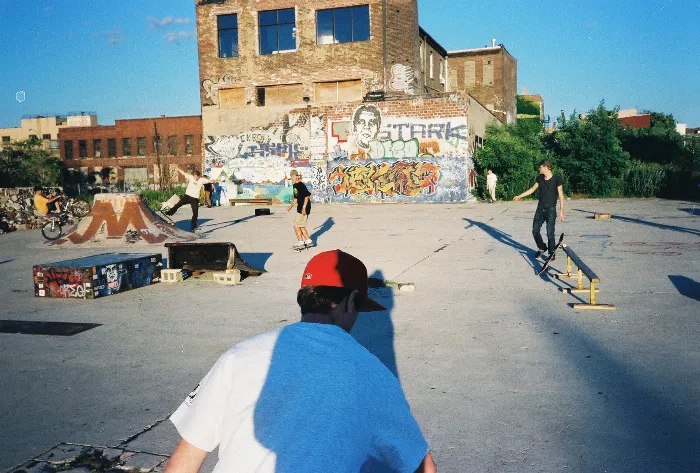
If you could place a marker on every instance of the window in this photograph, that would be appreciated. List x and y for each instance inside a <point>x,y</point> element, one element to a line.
<point>189,145</point>
<point>280,95</point>
<point>345,91</point>
<point>141,146</point>
<point>156,144</point>
<point>277,31</point>
<point>5,139</point>
<point>112,147</point>
<point>432,72</point>
<point>469,74</point>
<point>232,98</point>
<point>228,35</point>
<point>97,148</point>
<point>488,73</point>
<point>126,146</point>
<point>46,136</point>
<point>172,145</point>
<point>68,149</point>
<point>33,137</point>
<point>342,25</point>
<point>82,148</point>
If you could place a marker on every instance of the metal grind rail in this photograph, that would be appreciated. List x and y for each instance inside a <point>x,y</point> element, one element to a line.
<point>582,270</point>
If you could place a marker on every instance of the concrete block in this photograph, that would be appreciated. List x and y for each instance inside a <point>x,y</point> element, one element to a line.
<point>228,278</point>
<point>260,211</point>
<point>602,216</point>
<point>171,275</point>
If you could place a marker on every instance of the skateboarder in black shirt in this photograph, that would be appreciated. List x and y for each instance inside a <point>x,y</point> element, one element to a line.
<point>550,189</point>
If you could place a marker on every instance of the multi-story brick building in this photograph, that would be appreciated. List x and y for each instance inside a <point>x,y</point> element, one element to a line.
<point>290,83</point>
<point>135,150</point>
<point>490,74</point>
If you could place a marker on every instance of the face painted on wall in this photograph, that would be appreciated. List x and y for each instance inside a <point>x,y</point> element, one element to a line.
<point>366,123</point>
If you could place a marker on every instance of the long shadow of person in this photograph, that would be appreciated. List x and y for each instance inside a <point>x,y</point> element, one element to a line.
<point>686,286</point>
<point>323,228</point>
<point>526,252</point>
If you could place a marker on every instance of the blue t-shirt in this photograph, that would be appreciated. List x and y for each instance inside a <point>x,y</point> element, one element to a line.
<point>324,404</point>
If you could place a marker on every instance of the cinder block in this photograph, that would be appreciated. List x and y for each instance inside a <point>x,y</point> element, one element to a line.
<point>261,211</point>
<point>229,278</point>
<point>602,216</point>
<point>171,275</point>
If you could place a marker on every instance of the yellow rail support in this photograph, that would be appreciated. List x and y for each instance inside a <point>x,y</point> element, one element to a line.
<point>581,270</point>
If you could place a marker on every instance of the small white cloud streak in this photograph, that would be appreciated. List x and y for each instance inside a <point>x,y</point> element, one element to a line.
<point>175,37</point>
<point>167,21</point>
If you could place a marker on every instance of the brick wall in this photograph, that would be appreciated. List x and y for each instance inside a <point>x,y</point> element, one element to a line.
<point>133,129</point>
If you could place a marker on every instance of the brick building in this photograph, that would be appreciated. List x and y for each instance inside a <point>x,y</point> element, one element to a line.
<point>129,151</point>
<point>301,83</point>
<point>490,74</point>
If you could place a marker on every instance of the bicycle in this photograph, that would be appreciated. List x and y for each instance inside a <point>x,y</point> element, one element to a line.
<point>78,207</point>
<point>53,228</point>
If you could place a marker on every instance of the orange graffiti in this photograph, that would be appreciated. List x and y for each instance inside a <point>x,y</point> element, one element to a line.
<point>103,214</point>
<point>399,178</point>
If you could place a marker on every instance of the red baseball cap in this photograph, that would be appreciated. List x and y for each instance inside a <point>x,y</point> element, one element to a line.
<point>339,269</point>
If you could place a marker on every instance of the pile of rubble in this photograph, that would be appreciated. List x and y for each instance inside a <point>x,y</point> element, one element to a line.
<point>17,209</point>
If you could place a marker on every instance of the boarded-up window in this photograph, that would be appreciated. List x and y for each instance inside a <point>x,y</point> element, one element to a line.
<point>284,94</point>
<point>488,73</point>
<point>189,145</point>
<point>453,79</point>
<point>469,74</point>
<point>345,91</point>
<point>232,98</point>
<point>97,147</point>
<point>172,145</point>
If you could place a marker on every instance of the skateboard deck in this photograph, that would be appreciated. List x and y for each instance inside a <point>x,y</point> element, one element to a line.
<point>545,265</point>
<point>166,217</point>
<point>302,248</point>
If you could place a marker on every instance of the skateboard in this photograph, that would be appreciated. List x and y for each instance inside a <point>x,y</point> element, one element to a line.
<point>545,265</point>
<point>166,217</point>
<point>299,249</point>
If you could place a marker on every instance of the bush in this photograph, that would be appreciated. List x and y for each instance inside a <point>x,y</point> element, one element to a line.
<point>154,198</point>
<point>644,179</point>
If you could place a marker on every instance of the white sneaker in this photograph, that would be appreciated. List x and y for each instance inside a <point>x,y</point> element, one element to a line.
<point>308,243</point>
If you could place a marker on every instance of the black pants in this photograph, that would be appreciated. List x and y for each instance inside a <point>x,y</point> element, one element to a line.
<point>194,203</point>
<point>544,215</point>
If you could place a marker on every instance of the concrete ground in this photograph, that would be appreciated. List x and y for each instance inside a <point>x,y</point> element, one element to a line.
<point>501,372</point>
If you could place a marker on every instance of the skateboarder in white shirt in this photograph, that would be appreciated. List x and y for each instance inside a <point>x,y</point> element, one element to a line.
<point>191,197</point>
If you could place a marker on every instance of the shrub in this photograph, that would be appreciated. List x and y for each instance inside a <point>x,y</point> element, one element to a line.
<point>644,179</point>
<point>154,198</point>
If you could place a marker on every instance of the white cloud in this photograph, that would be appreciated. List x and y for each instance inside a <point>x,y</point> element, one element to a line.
<point>167,21</point>
<point>175,37</point>
<point>112,41</point>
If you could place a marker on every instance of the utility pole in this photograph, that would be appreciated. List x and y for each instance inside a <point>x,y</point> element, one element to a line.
<point>156,145</point>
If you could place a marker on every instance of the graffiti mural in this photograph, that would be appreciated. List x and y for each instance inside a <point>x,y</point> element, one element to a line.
<point>402,79</point>
<point>211,88</point>
<point>433,180</point>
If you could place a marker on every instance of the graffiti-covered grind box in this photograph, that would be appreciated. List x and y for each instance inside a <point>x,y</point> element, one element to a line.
<point>97,276</point>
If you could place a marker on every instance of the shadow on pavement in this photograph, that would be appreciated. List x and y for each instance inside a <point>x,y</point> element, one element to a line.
<point>6,261</point>
<point>686,286</point>
<point>318,231</point>
<point>219,226</point>
<point>662,226</point>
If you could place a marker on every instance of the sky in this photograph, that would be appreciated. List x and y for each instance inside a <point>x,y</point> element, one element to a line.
<point>126,59</point>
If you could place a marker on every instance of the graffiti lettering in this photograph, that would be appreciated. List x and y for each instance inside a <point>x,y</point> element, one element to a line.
<point>393,149</point>
<point>399,178</point>
<point>402,78</point>
<point>104,215</point>
<point>73,290</point>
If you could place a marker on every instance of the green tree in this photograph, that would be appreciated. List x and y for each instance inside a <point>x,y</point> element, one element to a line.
<point>512,151</point>
<point>26,163</point>
<point>590,154</point>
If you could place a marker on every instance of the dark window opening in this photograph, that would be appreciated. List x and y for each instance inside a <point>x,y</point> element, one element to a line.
<point>82,148</point>
<point>68,149</point>
<point>342,25</point>
<point>261,96</point>
<point>126,146</point>
<point>228,35</point>
<point>112,147</point>
<point>141,146</point>
<point>277,31</point>
<point>97,148</point>
<point>46,136</point>
<point>172,145</point>
<point>189,145</point>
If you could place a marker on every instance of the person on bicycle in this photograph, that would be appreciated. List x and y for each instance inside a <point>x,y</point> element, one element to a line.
<point>45,204</point>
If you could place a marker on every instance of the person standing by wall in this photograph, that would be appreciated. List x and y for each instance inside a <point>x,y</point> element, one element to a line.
<point>491,180</point>
<point>191,197</point>
<point>550,189</point>
<point>302,199</point>
<point>208,189</point>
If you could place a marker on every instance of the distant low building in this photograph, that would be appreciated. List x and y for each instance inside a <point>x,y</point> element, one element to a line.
<point>45,128</point>
<point>142,151</point>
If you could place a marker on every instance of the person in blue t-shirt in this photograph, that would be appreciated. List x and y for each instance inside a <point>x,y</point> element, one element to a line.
<point>306,397</point>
